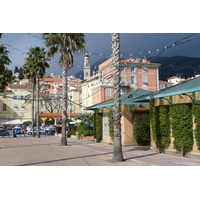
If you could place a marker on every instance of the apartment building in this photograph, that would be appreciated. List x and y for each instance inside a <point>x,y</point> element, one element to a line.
<point>135,74</point>
<point>13,109</point>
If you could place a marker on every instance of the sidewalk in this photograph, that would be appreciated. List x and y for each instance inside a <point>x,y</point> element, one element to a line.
<point>47,151</point>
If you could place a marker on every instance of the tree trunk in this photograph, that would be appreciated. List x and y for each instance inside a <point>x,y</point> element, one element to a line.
<point>33,103</point>
<point>117,152</point>
<point>38,110</point>
<point>64,105</point>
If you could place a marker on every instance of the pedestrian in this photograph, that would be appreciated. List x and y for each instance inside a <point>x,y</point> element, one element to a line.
<point>14,133</point>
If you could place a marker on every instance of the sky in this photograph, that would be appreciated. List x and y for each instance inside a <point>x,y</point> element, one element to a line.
<point>99,45</point>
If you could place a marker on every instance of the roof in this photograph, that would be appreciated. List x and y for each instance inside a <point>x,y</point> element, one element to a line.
<point>192,85</point>
<point>52,79</point>
<point>126,99</point>
<point>173,77</point>
<point>57,114</point>
<point>18,86</point>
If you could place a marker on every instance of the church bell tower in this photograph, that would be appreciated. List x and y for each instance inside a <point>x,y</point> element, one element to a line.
<point>86,69</point>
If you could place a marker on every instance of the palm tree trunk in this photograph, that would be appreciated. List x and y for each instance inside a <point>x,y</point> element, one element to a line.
<point>64,105</point>
<point>117,152</point>
<point>37,97</point>
<point>33,89</point>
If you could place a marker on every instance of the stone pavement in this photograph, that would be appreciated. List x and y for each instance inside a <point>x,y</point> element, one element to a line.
<point>47,151</point>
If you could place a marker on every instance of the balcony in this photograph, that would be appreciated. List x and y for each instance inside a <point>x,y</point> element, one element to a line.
<point>125,84</point>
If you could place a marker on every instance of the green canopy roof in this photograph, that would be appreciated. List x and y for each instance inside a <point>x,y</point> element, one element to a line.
<point>192,85</point>
<point>126,99</point>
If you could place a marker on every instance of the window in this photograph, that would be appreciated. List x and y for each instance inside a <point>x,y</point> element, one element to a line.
<point>22,105</point>
<point>15,105</point>
<point>123,79</point>
<point>123,90</point>
<point>108,92</point>
<point>4,96</point>
<point>144,69</point>
<point>14,97</point>
<point>144,80</point>
<point>22,97</point>
<point>4,107</point>
<point>15,89</point>
<point>22,114</point>
<point>15,114</point>
<point>123,68</point>
<point>133,69</point>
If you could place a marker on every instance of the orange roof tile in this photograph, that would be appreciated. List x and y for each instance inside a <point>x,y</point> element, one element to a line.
<point>18,86</point>
<point>52,79</point>
<point>57,114</point>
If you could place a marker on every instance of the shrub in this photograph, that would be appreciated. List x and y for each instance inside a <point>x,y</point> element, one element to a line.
<point>181,121</point>
<point>111,124</point>
<point>72,132</point>
<point>59,129</point>
<point>161,127</point>
<point>141,127</point>
<point>98,126</point>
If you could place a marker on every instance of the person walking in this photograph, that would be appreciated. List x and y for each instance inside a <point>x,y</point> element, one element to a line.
<point>14,133</point>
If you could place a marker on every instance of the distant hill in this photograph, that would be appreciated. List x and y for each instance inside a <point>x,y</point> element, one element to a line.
<point>177,65</point>
<point>170,66</point>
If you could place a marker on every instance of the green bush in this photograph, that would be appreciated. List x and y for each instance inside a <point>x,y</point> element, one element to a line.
<point>181,122</point>
<point>59,129</point>
<point>72,132</point>
<point>141,127</point>
<point>111,124</point>
<point>26,123</point>
<point>97,126</point>
<point>160,123</point>
<point>88,133</point>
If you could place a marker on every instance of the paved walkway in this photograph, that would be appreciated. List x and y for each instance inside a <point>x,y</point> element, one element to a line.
<point>47,151</point>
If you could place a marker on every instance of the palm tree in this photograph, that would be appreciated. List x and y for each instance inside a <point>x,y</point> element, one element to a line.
<point>5,75</point>
<point>34,68</point>
<point>86,117</point>
<point>117,153</point>
<point>66,43</point>
<point>4,60</point>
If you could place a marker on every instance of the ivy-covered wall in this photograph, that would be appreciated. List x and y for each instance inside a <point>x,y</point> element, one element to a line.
<point>141,127</point>
<point>97,126</point>
<point>182,127</point>
<point>160,127</point>
<point>111,124</point>
<point>178,120</point>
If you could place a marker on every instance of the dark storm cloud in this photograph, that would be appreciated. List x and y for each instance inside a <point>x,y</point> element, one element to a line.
<point>100,43</point>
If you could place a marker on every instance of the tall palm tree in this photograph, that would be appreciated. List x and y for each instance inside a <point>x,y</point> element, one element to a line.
<point>117,153</point>
<point>66,43</point>
<point>86,117</point>
<point>5,76</point>
<point>35,67</point>
<point>4,59</point>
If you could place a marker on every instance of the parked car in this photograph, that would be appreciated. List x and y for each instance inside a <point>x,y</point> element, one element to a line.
<point>29,131</point>
<point>9,128</point>
<point>17,130</point>
<point>4,132</point>
<point>50,131</point>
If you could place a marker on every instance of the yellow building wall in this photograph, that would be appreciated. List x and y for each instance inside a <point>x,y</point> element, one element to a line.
<point>16,110</point>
